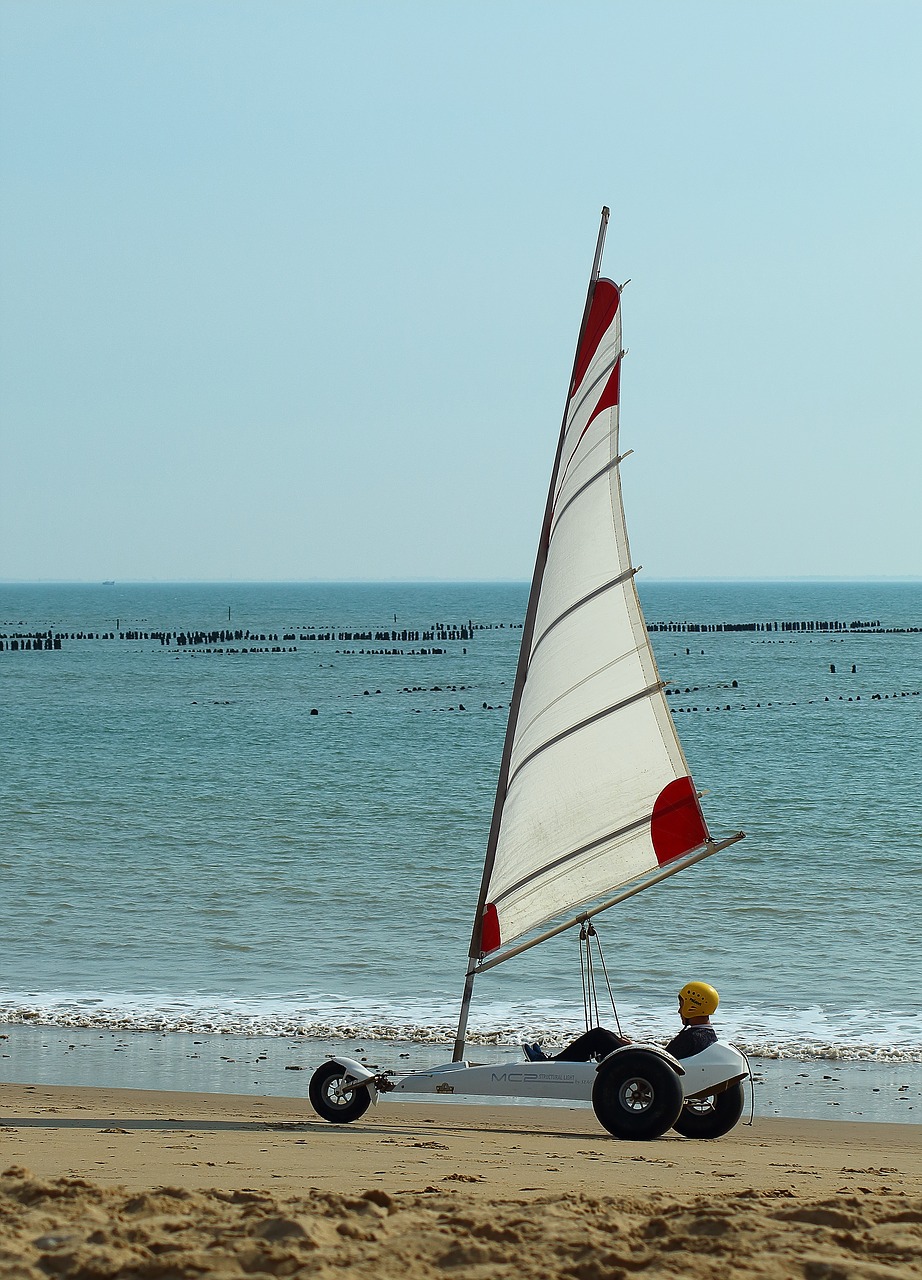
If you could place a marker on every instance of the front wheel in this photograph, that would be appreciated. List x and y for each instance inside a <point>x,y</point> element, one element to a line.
<point>713,1116</point>
<point>637,1095</point>
<point>334,1097</point>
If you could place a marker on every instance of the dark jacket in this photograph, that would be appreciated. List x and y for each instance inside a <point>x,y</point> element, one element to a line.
<point>691,1040</point>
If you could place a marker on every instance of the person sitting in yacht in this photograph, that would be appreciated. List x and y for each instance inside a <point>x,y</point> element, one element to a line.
<point>697,1001</point>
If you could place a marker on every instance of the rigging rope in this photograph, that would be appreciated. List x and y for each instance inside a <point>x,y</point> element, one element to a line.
<point>611,994</point>
<point>587,977</point>
<point>583,975</point>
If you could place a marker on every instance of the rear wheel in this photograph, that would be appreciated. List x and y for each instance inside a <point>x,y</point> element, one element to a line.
<point>713,1116</point>
<point>637,1095</point>
<point>334,1097</point>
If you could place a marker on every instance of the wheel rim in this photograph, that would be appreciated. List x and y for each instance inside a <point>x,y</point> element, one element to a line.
<point>700,1106</point>
<point>337,1092</point>
<point>636,1095</point>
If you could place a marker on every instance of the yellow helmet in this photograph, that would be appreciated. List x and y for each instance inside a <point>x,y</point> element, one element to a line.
<point>698,1000</point>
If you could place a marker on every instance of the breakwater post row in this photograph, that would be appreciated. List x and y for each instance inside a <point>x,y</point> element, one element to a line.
<point>182,639</point>
<point>51,640</point>
<point>31,642</point>
<point>834,627</point>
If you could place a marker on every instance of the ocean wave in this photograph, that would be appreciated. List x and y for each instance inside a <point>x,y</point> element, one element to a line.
<point>798,1034</point>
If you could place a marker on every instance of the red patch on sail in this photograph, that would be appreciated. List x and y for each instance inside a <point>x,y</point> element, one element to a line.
<point>677,825</point>
<point>609,396</point>
<point>607,400</point>
<point>605,300</point>
<point>489,934</point>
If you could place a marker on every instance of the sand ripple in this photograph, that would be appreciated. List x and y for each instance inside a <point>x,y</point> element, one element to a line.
<point>77,1230</point>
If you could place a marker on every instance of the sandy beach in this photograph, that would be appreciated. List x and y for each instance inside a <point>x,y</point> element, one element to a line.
<point>105,1182</point>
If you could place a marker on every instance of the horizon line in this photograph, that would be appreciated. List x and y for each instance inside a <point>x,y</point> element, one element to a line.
<point>410,582</point>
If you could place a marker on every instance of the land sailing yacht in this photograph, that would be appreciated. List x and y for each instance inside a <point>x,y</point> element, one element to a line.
<point>594,800</point>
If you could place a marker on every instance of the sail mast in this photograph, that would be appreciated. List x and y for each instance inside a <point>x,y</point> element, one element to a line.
<point>520,674</point>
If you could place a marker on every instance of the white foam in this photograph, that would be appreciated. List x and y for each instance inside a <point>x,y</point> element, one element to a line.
<point>860,1035</point>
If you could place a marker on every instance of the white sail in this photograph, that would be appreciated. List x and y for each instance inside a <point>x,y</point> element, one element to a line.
<point>597,791</point>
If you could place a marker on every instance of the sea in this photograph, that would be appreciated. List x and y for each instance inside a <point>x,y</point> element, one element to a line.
<point>260,810</point>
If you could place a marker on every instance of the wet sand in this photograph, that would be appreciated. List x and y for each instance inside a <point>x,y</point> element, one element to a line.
<point>280,1066</point>
<point>261,1186</point>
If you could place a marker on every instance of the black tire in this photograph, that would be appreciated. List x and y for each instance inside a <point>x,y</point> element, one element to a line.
<point>713,1116</point>
<point>326,1100</point>
<point>637,1095</point>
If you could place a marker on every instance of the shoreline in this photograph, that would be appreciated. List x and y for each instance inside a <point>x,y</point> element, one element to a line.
<point>280,1067</point>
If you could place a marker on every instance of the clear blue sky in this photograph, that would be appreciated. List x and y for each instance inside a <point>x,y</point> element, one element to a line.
<point>290,289</point>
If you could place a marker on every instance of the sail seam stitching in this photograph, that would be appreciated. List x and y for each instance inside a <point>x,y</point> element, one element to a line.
<point>609,466</point>
<point>606,586</point>
<point>576,853</point>
<point>576,408</point>
<point>583,724</point>
<point>589,390</point>
<point>584,680</point>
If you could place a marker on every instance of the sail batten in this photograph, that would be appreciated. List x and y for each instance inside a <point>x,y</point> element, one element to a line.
<point>605,373</point>
<point>599,475</point>
<point>583,724</point>
<point>576,853</point>
<point>606,586</point>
